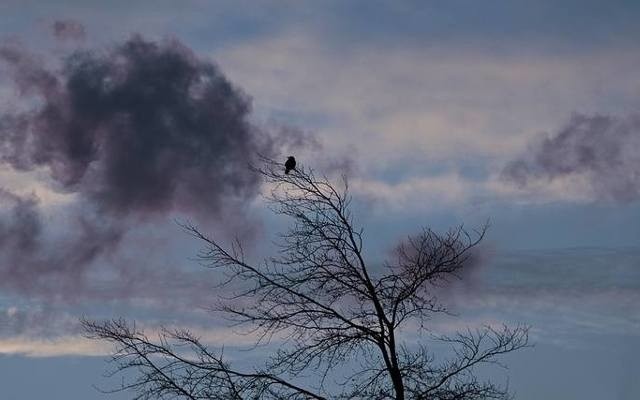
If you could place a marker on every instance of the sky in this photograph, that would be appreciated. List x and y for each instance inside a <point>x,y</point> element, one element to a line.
<point>525,114</point>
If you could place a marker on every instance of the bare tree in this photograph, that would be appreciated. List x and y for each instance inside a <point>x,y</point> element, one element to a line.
<point>330,308</point>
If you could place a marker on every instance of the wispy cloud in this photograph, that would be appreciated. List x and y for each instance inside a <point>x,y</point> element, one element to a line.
<point>62,346</point>
<point>68,29</point>
<point>429,104</point>
<point>599,151</point>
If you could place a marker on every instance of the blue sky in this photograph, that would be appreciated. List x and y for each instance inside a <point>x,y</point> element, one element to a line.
<point>424,105</point>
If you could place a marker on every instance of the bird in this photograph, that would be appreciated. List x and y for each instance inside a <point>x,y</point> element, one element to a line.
<point>289,164</point>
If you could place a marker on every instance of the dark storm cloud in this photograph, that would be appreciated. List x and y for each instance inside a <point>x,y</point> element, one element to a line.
<point>143,127</point>
<point>68,30</point>
<point>604,148</point>
<point>135,131</point>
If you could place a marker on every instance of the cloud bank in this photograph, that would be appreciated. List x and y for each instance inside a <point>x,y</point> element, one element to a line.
<point>142,127</point>
<point>601,150</point>
<point>136,131</point>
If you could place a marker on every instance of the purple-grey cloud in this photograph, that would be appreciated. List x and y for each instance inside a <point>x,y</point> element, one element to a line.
<point>33,263</point>
<point>137,131</point>
<point>604,148</point>
<point>68,29</point>
<point>143,127</point>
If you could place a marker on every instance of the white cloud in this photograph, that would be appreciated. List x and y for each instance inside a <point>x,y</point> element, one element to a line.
<point>437,103</point>
<point>416,193</point>
<point>78,345</point>
<point>61,346</point>
<point>434,106</point>
<point>452,190</point>
<point>33,183</point>
<point>574,188</point>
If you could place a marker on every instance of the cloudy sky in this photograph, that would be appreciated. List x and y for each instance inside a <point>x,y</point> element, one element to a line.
<point>523,113</point>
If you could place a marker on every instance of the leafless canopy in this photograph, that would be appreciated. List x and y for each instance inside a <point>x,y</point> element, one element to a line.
<point>330,308</point>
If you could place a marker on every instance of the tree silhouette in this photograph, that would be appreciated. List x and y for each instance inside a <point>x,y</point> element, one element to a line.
<point>330,308</point>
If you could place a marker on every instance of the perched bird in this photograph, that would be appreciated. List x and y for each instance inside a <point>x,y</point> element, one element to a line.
<point>289,164</point>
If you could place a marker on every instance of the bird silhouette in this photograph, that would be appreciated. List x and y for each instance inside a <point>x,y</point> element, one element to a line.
<point>289,164</point>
